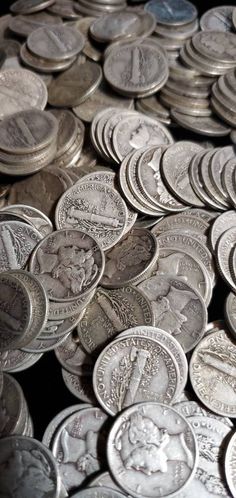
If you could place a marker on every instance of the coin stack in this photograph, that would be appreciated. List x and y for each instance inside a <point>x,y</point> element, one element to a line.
<point>223,97</point>
<point>173,28</point>
<point>70,138</point>
<point>13,399</point>
<point>97,8</point>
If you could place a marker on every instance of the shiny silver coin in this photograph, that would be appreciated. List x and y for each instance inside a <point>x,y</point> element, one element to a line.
<point>55,43</point>
<point>30,6</point>
<point>221,224</point>
<point>53,426</point>
<point>197,183</point>
<point>152,420</point>
<point>173,12</point>
<point>31,216</point>
<point>207,180</point>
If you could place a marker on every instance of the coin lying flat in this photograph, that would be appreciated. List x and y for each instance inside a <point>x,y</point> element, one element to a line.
<point>30,6</point>
<point>55,43</point>
<point>217,19</point>
<point>230,465</point>
<point>101,491</point>
<point>31,216</point>
<point>21,89</point>
<point>209,125</point>
<point>23,25</point>
<point>17,241</point>
<point>113,26</point>
<point>160,427</point>
<point>172,12</point>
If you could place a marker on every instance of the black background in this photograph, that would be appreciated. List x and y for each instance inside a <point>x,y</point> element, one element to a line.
<point>43,386</point>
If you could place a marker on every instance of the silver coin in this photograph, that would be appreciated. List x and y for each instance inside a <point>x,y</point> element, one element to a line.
<point>207,181</point>
<point>91,50</point>
<point>67,130</point>
<point>17,241</point>
<point>56,329</point>
<point>32,216</point>
<point>132,258</point>
<point>217,163</point>
<point>197,183</point>
<point>20,90</point>
<point>167,431</point>
<point>212,373</point>
<point>95,208</point>
<point>40,345</point>
<point>217,19</point>
<point>30,6</point>
<point>23,25</point>
<point>46,66</point>
<point>219,46</point>
<point>104,479</point>
<point>110,312</point>
<point>221,224</point>
<point>225,245</point>
<point>12,400</point>
<point>19,454</point>
<point>209,125</point>
<point>134,369</point>
<point>230,466</point>
<point>230,312</point>
<point>63,310</point>
<point>108,28</point>
<point>57,420</point>
<point>186,223</point>
<point>193,408</point>
<point>172,13</point>
<point>85,256</point>
<point>16,360</point>
<point>80,386</point>
<point>65,9</point>
<point>178,308</point>
<point>100,491</point>
<point>73,358</point>
<point>171,344</point>
<point>55,42</point>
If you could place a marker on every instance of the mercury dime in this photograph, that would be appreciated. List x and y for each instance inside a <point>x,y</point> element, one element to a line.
<point>73,358</point>
<point>132,258</point>
<point>40,345</point>
<point>16,360</point>
<point>108,28</point>
<point>20,455</point>
<point>32,216</point>
<point>69,263</point>
<point>12,400</point>
<point>170,343</point>
<point>136,69</point>
<point>209,125</point>
<point>174,166</point>
<point>62,310</point>
<point>110,312</point>
<point>67,130</point>
<point>217,19</point>
<point>134,369</point>
<point>104,479</point>
<point>17,241</point>
<point>178,263</point>
<point>65,9</point>
<point>224,248</point>
<point>216,45</point>
<point>227,180</point>
<point>55,423</point>
<point>80,386</point>
<point>96,208</point>
<point>178,308</point>
<point>212,373</point>
<point>44,66</point>
<point>55,42</point>
<point>135,132</point>
<point>91,50</point>
<point>187,223</point>
<point>20,90</point>
<point>230,312</point>
<point>30,6</point>
<point>23,25</point>
<point>190,409</point>
<point>217,163</point>
<point>172,12</point>
<point>169,433</point>
<point>230,465</point>
<point>221,224</point>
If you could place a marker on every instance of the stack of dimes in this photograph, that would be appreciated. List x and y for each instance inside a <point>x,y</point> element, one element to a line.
<point>175,24</point>
<point>223,98</point>
<point>97,8</point>
<point>12,397</point>
<point>27,141</point>
<point>70,138</point>
<point>22,7</point>
<point>52,48</point>
<point>126,24</point>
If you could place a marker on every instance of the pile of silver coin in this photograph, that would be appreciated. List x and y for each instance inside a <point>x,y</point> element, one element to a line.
<point>117,231</point>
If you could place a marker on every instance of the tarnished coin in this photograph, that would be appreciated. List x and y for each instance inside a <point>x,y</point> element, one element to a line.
<point>137,131</point>
<point>73,358</point>
<point>67,130</point>
<point>191,408</point>
<point>69,264</point>
<point>171,344</point>
<point>217,164</point>
<point>40,345</point>
<point>187,223</point>
<point>12,401</point>
<point>23,25</point>
<point>131,259</point>
<point>217,19</point>
<point>133,369</point>
<point>17,241</point>
<point>27,131</point>
<point>20,90</point>
<point>30,6</point>
<point>32,465</point>
<point>174,166</point>
<point>110,312</point>
<point>178,308</point>
<point>212,373</point>
<point>69,89</point>
<point>80,386</point>
<point>96,208</point>
<point>55,42</point>
<point>16,360</point>
<point>178,263</point>
<point>104,479</point>
<point>65,9</point>
<point>228,181</point>
<point>230,465</point>
<point>172,12</point>
<point>32,216</point>
<point>218,46</point>
<point>230,312</point>
<point>137,69</point>
<point>61,310</point>
<point>91,49</point>
<point>168,433</point>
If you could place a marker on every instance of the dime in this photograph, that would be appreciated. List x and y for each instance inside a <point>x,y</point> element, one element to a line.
<point>217,164</point>
<point>91,50</point>
<point>166,430</point>
<point>230,312</point>
<point>134,369</point>
<point>217,19</point>
<point>230,465</point>
<point>20,90</point>
<point>62,310</point>
<point>40,345</point>
<point>175,173</point>
<point>55,42</point>
<point>173,12</point>
<point>209,125</point>
<point>50,263</point>
<point>23,25</point>
<point>219,46</point>
<point>55,423</point>
<point>131,259</point>
<point>221,224</point>
<point>101,492</point>
<point>104,479</point>
<point>17,241</point>
<point>178,309</point>
<point>65,9</point>
<point>110,312</point>
<point>227,180</point>
<point>80,386</point>
<point>67,130</point>
<point>12,400</point>
<point>46,66</point>
<point>31,216</point>
<point>72,357</point>
<point>30,6</point>
<point>225,245</point>
<point>108,28</point>
<point>16,360</point>
<point>18,455</point>
<point>211,367</point>
<point>187,223</point>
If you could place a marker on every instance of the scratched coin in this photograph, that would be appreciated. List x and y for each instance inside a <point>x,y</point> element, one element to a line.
<point>167,432</point>
<point>55,42</point>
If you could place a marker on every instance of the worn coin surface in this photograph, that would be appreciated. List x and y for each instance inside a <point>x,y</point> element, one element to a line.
<point>110,312</point>
<point>172,12</point>
<point>102,491</point>
<point>167,433</point>
<point>217,19</point>
<point>80,386</point>
<point>31,216</point>
<point>17,241</point>
<point>230,465</point>
<point>69,264</point>
<point>55,423</point>
<point>12,400</point>
<point>129,261</point>
<point>178,308</point>
<point>30,6</point>
<point>230,312</point>
<point>55,42</point>
<point>21,89</point>
<point>32,465</point>
<point>212,373</point>
<point>73,358</point>
<point>224,249</point>
<point>133,369</point>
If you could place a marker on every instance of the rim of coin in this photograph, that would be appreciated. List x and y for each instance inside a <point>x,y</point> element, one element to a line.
<point>57,42</point>
<point>30,6</point>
